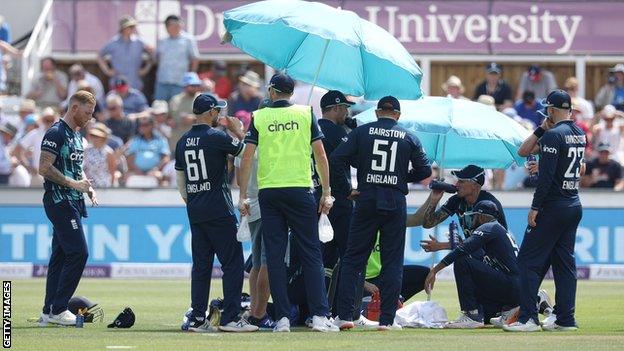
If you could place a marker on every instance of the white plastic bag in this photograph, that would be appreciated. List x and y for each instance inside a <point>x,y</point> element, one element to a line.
<point>326,232</point>
<point>243,233</point>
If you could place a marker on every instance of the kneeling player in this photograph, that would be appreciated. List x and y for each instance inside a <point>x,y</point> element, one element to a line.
<point>492,280</point>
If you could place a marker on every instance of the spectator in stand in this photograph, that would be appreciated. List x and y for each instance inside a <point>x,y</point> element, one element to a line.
<point>160,114</point>
<point>125,54</point>
<point>133,99</point>
<point>7,132</point>
<point>181,106</point>
<point>50,88</point>
<point>540,81</point>
<point>612,93</point>
<point>609,132</point>
<point>30,123</point>
<point>5,30</point>
<point>4,49</point>
<point>26,108</point>
<point>119,124</point>
<point>581,123</point>
<point>603,172</point>
<point>495,87</point>
<point>585,107</point>
<point>247,96</point>
<point>454,88</point>
<point>219,75</point>
<point>528,108</point>
<point>100,162</point>
<point>77,73</point>
<point>28,148</point>
<point>175,55</point>
<point>148,152</point>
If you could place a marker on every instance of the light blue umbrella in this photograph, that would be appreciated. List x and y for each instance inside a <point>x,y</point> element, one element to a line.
<point>457,132</point>
<point>321,45</point>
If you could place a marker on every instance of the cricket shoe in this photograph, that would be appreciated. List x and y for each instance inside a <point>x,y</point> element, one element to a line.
<point>529,326</point>
<point>554,327</point>
<point>343,325</point>
<point>465,321</point>
<point>506,317</point>
<point>545,306</point>
<point>200,325</point>
<point>393,326</point>
<point>365,323</point>
<point>263,323</point>
<point>43,320</point>
<point>282,326</point>
<point>63,318</point>
<point>240,326</point>
<point>323,325</point>
<point>549,321</point>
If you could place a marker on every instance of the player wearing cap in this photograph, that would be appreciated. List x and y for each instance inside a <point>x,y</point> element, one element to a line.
<point>554,216</point>
<point>480,282</point>
<point>201,165</point>
<point>383,152</point>
<point>283,134</point>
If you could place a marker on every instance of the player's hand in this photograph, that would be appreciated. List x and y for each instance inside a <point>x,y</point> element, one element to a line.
<point>371,288</point>
<point>431,245</point>
<point>547,123</point>
<point>436,195</point>
<point>430,281</point>
<point>326,203</point>
<point>354,194</point>
<point>532,218</point>
<point>82,185</point>
<point>243,206</point>
<point>532,166</point>
<point>93,197</point>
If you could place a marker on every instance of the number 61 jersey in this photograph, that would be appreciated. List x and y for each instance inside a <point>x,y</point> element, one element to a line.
<point>562,151</point>
<point>201,154</point>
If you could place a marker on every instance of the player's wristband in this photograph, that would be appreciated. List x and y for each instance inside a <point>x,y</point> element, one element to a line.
<point>539,131</point>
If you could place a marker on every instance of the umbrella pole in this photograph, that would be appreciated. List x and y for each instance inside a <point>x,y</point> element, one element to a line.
<point>318,70</point>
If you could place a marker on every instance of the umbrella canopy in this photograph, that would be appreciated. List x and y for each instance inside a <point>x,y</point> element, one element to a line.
<point>457,132</point>
<point>325,46</point>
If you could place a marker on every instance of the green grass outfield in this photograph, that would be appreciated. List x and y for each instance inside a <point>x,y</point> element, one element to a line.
<point>159,306</point>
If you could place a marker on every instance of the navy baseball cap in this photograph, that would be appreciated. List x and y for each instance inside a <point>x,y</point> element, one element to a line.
<point>282,83</point>
<point>471,172</point>
<point>493,67</point>
<point>206,102</point>
<point>485,207</point>
<point>334,98</point>
<point>389,103</point>
<point>559,99</point>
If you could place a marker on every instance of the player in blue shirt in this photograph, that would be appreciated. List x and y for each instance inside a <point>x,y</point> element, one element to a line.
<point>383,152</point>
<point>493,280</point>
<point>65,182</point>
<point>201,165</point>
<point>554,216</point>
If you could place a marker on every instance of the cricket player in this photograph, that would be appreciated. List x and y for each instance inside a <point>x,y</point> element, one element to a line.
<point>201,172</point>
<point>383,151</point>
<point>554,216</point>
<point>284,134</point>
<point>65,182</point>
<point>495,280</point>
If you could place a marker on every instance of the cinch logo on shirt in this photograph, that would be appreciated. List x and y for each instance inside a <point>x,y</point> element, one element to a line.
<point>278,127</point>
<point>76,156</point>
<point>49,143</point>
<point>550,150</point>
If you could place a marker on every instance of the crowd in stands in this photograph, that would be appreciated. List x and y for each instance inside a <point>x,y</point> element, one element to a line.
<point>132,142</point>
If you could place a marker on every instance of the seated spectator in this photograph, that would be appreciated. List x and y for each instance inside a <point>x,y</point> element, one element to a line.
<point>133,100</point>
<point>148,152</point>
<point>454,88</point>
<point>219,75</point>
<point>495,87</point>
<point>28,149</point>
<point>26,108</point>
<point>585,107</point>
<point>5,48</point>
<point>77,73</point>
<point>540,81</point>
<point>160,115</point>
<point>181,105</point>
<point>100,162</point>
<point>50,88</point>
<point>528,108</point>
<point>7,132</point>
<point>603,172</point>
<point>119,124</point>
<point>609,132</point>
<point>247,96</point>
<point>581,123</point>
<point>612,93</point>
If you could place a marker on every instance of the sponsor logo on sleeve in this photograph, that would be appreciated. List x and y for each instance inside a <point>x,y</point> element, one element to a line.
<point>49,143</point>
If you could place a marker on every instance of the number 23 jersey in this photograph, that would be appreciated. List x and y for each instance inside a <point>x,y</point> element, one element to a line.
<point>201,154</point>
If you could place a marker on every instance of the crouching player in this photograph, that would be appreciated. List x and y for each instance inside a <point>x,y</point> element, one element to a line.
<point>492,280</point>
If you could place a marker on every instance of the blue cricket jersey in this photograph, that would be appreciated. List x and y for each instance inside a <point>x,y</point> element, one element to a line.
<point>334,135</point>
<point>456,205</point>
<point>202,154</point>
<point>500,248</point>
<point>66,144</point>
<point>382,151</point>
<point>561,150</point>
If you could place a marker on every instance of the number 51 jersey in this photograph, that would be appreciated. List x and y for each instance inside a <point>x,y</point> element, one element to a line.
<point>201,154</point>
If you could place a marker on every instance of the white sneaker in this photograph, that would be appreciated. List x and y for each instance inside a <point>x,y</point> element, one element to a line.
<point>282,326</point>
<point>529,326</point>
<point>240,326</point>
<point>464,322</point>
<point>394,326</point>
<point>556,327</point>
<point>44,319</point>
<point>365,323</point>
<point>324,325</point>
<point>549,321</point>
<point>506,317</point>
<point>63,318</point>
<point>343,325</point>
<point>201,326</point>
